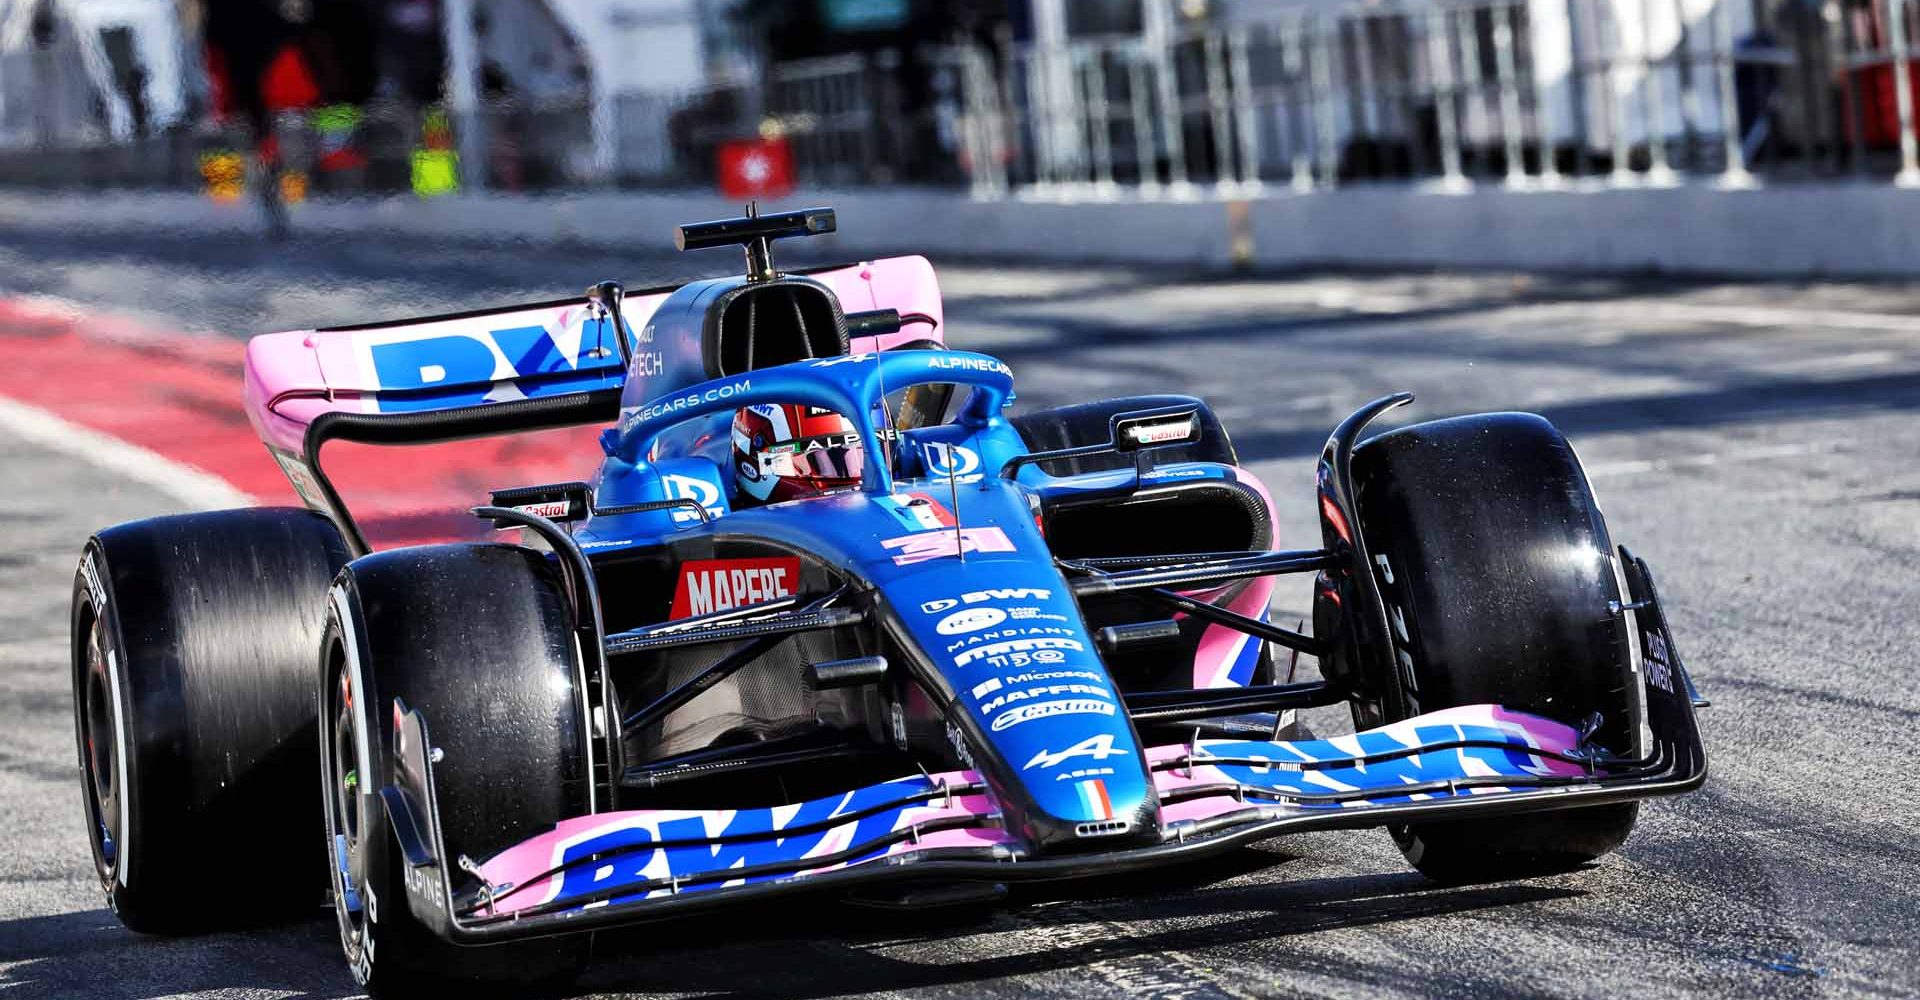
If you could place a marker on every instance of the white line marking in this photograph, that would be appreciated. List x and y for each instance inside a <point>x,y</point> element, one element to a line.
<point>1836,362</point>
<point>1629,310</point>
<point>1703,459</point>
<point>197,488</point>
<point>1769,316</point>
<point>1625,308</point>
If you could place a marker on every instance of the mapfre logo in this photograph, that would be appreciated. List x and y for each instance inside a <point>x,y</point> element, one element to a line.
<point>710,585</point>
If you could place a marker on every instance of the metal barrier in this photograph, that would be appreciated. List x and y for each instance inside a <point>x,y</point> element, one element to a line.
<point>1510,92</point>
<point>1519,93</point>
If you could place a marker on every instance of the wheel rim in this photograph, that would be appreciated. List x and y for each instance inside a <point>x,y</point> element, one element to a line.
<point>345,844</point>
<point>101,745</point>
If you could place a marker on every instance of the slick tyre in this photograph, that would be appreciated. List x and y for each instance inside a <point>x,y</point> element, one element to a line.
<point>192,651</point>
<point>1496,569</point>
<point>477,639</point>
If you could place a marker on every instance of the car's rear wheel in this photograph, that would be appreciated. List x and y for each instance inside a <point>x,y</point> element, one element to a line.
<point>192,651</point>
<point>477,639</point>
<point>1497,572</point>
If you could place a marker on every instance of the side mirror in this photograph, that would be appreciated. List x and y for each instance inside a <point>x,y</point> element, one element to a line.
<point>1138,432</point>
<point>1134,433</point>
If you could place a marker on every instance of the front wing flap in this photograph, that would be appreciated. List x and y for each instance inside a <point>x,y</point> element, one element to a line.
<point>642,865</point>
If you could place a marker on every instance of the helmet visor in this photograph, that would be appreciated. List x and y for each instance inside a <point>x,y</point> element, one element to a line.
<point>821,456</point>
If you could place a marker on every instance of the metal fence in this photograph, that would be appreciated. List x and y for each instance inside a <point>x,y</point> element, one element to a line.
<point>858,119</point>
<point>1513,92</point>
<point>1510,92</point>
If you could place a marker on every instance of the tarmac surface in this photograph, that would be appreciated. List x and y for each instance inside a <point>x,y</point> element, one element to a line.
<point>1757,443</point>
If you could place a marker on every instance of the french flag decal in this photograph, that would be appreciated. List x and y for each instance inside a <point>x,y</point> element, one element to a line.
<point>1093,797</point>
<point>918,511</point>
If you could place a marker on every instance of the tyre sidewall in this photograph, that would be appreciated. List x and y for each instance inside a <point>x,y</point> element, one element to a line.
<point>344,650</point>
<point>93,608</point>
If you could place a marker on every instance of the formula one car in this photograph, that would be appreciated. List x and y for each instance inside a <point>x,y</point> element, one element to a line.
<point>829,620</point>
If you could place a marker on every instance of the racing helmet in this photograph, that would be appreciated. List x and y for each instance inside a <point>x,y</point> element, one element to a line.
<point>785,451</point>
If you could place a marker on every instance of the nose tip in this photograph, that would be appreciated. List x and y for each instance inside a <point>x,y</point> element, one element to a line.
<point>1097,825</point>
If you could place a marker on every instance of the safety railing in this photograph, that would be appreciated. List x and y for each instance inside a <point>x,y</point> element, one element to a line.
<point>1510,92</point>
<point>1519,93</point>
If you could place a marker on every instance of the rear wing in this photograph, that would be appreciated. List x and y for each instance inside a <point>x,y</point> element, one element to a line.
<point>495,371</point>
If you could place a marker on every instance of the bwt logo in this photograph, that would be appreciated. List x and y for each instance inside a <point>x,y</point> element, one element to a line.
<point>646,849</point>
<point>938,605</point>
<point>466,365</point>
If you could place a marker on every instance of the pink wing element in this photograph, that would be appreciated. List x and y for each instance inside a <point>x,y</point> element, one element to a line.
<point>293,378</point>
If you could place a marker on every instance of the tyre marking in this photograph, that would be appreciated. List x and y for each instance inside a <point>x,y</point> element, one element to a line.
<point>357,689</point>
<point>1398,637</point>
<point>122,851</point>
<point>1636,663</point>
<point>350,642</point>
<point>1080,930</point>
<point>123,846</point>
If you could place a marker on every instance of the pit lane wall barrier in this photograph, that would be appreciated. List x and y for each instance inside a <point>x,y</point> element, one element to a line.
<point>1801,230</point>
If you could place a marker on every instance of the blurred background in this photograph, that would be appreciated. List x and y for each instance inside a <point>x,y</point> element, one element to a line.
<point>998,97</point>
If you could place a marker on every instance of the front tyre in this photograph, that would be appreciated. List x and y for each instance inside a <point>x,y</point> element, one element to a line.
<point>477,639</point>
<point>1496,570</point>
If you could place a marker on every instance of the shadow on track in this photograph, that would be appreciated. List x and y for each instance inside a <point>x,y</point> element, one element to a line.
<point>835,949</point>
<point>90,954</point>
<point>867,952</point>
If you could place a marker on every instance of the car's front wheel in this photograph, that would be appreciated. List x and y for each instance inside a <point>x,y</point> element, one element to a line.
<point>477,639</point>
<point>1499,580</point>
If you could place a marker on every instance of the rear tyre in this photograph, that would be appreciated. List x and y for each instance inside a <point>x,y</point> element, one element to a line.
<point>477,639</point>
<point>192,650</point>
<point>1496,569</point>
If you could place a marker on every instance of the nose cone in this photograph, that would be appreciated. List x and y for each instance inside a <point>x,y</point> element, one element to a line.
<point>1079,782</point>
<point>1044,718</point>
<point>1000,637</point>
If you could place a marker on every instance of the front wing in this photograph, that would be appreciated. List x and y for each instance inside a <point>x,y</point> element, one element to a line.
<point>1215,794</point>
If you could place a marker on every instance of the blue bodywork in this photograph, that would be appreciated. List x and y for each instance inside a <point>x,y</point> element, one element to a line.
<point>1002,637</point>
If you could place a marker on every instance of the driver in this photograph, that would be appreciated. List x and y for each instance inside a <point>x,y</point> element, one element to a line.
<point>785,451</point>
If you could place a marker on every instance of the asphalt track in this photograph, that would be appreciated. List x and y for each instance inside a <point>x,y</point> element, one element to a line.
<point>1756,442</point>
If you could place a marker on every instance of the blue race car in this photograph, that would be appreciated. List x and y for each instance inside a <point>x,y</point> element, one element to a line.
<point>830,619</point>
